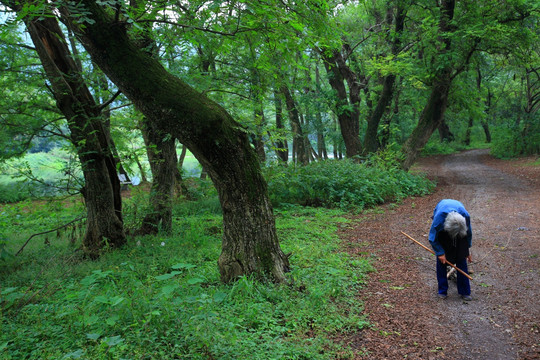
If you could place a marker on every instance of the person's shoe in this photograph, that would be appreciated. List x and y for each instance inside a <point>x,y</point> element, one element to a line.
<point>466,297</point>
<point>442,296</point>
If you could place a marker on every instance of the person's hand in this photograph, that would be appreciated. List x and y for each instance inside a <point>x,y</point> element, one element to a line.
<point>442,258</point>
<point>469,258</point>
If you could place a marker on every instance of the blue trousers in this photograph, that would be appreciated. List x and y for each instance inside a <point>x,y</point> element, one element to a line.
<point>463,285</point>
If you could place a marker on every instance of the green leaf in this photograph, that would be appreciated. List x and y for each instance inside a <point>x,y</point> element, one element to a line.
<point>102,299</point>
<point>91,320</point>
<point>116,300</point>
<point>219,296</point>
<point>168,275</point>
<point>193,281</point>
<point>93,336</point>
<point>77,354</point>
<point>8,290</point>
<point>111,321</point>
<point>113,340</point>
<point>169,289</point>
<point>182,266</point>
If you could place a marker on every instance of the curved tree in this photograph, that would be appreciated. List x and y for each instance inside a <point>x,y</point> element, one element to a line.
<point>250,244</point>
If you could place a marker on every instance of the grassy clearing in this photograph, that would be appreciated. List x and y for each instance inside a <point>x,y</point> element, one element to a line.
<point>161,298</point>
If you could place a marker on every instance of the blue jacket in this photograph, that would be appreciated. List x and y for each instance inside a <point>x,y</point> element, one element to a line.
<point>443,208</point>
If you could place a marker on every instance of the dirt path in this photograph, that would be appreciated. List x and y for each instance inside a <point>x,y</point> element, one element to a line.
<point>503,320</point>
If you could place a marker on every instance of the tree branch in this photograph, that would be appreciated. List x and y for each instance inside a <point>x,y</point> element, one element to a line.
<point>46,232</point>
<point>236,31</point>
<point>108,102</point>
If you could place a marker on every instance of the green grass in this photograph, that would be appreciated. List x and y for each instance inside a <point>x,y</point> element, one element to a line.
<point>161,298</point>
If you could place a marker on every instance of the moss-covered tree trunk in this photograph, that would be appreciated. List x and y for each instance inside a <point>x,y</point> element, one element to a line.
<point>250,243</point>
<point>88,134</point>
<point>429,121</point>
<point>433,113</point>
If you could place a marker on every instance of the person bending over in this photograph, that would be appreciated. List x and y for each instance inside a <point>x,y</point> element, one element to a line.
<point>450,237</point>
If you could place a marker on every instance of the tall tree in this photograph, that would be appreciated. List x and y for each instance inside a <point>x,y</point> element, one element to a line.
<point>161,151</point>
<point>432,115</point>
<point>299,145</point>
<point>347,85</point>
<point>396,14</point>
<point>463,29</point>
<point>250,243</point>
<point>88,134</point>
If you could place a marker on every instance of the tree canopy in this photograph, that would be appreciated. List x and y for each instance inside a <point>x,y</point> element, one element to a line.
<point>245,83</point>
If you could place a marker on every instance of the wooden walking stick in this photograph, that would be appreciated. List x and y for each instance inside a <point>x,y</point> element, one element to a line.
<point>431,251</point>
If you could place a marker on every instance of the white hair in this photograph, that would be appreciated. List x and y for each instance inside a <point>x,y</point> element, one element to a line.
<point>455,225</point>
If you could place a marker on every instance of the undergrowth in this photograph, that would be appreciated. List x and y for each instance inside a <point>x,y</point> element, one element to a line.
<point>515,141</point>
<point>161,298</point>
<point>342,184</point>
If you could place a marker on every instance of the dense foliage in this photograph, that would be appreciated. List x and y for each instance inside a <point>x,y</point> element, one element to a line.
<point>342,184</point>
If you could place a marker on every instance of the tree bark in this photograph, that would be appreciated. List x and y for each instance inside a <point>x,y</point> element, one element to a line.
<point>181,188</point>
<point>444,132</point>
<point>429,121</point>
<point>161,152</point>
<point>250,243</point>
<point>258,141</point>
<point>299,148</point>
<point>347,105</point>
<point>386,130</point>
<point>88,134</point>
<point>282,148</point>
<point>371,139</point>
<point>467,140</point>
<point>432,115</point>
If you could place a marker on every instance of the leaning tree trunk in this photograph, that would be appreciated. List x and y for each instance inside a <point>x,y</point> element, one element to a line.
<point>371,139</point>
<point>250,243</point>
<point>299,145</point>
<point>445,134</point>
<point>102,187</point>
<point>433,113</point>
<point>430,119</point>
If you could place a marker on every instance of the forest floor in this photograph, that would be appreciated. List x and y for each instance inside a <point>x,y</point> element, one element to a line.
<point>408,320</point>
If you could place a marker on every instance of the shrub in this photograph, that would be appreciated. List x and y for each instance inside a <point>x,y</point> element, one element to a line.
<point>342,184</point>
<point>514,141</point>
<point>11,192</point>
